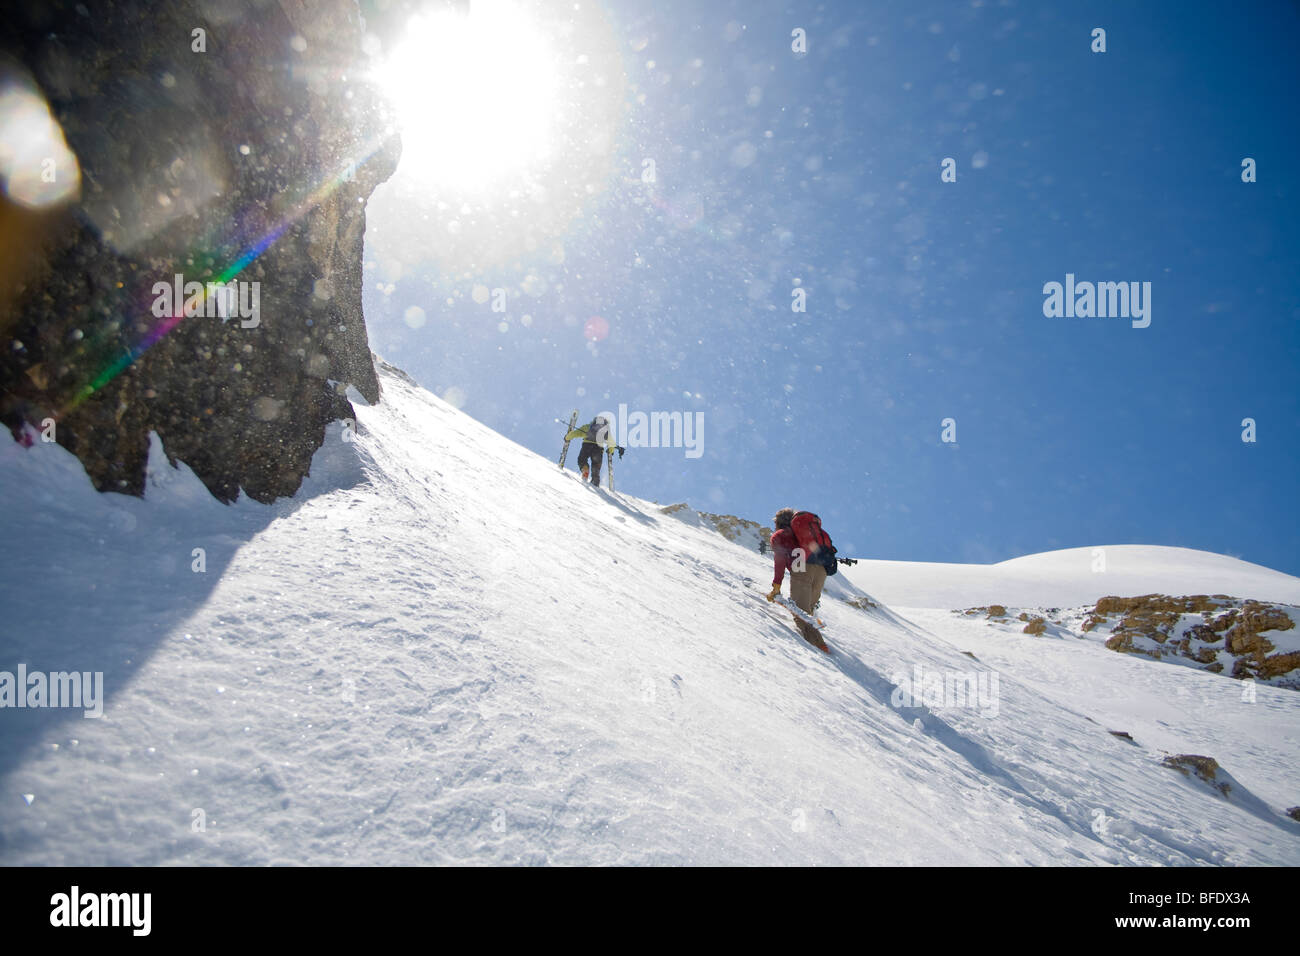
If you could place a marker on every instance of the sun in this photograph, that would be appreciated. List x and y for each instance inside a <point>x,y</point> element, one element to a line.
<point>476,96</point>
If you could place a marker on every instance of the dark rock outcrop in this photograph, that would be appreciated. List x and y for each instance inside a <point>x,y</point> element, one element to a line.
<point>191,161</point>
<point>992,611</point>
<point>1205,629</point>
<point>1204,768</point>
<point>1035,624</point>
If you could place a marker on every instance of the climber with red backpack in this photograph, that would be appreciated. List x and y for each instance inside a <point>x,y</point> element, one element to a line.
<point>800,546</point>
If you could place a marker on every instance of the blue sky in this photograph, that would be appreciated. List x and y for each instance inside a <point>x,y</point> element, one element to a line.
<point>924,298</point>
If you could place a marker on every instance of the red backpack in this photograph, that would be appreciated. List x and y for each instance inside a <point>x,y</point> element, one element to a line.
<point>816,543</point>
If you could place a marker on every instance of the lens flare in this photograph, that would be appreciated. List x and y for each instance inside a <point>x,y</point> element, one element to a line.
<point>596,329</point>
<point>36,167</point>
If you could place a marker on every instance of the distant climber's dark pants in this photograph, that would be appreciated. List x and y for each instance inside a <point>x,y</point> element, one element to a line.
<point>806,591</point>
<point>592,455</point>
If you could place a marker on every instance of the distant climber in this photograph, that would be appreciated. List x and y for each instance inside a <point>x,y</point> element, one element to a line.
<point>800,546</point>
<point>596,442</point>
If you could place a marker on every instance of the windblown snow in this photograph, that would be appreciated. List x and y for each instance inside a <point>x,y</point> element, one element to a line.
<point>444,650</point>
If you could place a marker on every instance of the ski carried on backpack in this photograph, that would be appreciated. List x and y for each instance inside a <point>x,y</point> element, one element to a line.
<point>564,453</point>
<point>797,611</point>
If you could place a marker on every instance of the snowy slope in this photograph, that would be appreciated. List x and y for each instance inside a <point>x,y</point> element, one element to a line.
<point>1067,578</point>
<point>444,650</point>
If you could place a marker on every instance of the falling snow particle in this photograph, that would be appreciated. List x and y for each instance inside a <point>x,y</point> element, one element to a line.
<point>744,154</point>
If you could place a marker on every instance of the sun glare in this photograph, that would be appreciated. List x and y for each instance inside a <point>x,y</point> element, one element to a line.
<point>475,95</point>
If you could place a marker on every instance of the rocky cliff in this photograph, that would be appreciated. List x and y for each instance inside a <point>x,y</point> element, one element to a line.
<point>740,530</point>
<point>228,141</point>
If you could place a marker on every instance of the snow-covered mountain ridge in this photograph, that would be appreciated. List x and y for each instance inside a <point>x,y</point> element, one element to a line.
<point>1074,577</point>
<point>443,650</point>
